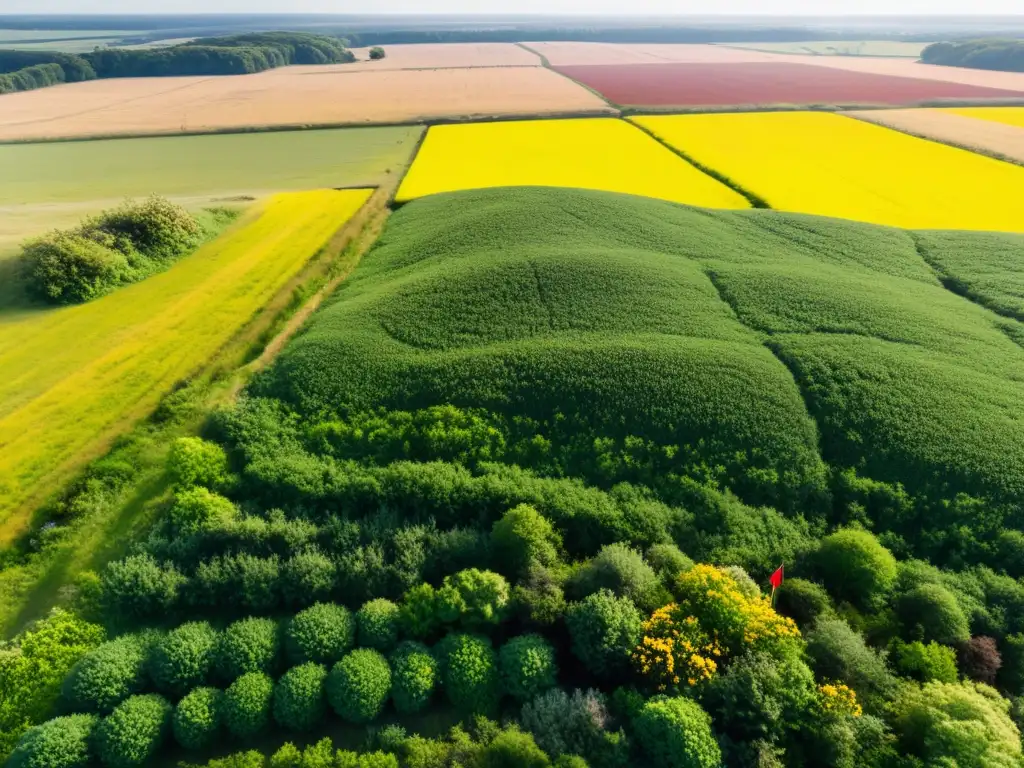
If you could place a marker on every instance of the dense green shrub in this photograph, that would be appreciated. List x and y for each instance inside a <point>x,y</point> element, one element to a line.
<point>183,658</point>
<point>931,612</point>
<point>956,724</point>
<point>474,598</point>
<point>839,653</point>
<point>604,630</point>
<point>377,53</point>
<point>926,662</point>
<point>300,697</point>
<point>803,601</point>
<point>322,633</point>
<point>198,717</point>
<point>539,595</point>
<point>623,571</point>
<point>246,705</point>
<point>194,461</point>
<point>419,612</point>
<point>855,567</point>
<point>1011,674</point>
<point>676,733</point>
<point>469,672</point>
<point>59,743</point>
<point>377,624</point>
<point>249,645</point>
<point>414,675</point>
<point>138,588</point>
<point>522,536</point>
<point>527,666</point>
<point>195,508</point>
<point>358,685</point>
<point>241,580</point>
<point>108,675</point>
<point>134,732</point>
<point>668,561</point>
<point>308,577</point>
<point>512,748</point>
<point>564,724</point>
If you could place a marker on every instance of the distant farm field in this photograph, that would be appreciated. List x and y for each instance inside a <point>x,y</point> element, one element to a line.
<point>567,53</point>
<point>888,48</point>
<point>600,154</point>
<point>832,165</point>
<point>1006,115</point>
<point>763,84</point>
<point>440,56</point>
<point>75,377</point>
<point>904,67</point>
<point>287,97</point>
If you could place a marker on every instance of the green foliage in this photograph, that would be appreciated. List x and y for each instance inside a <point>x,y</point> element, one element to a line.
<point>108,675</point>
<point>856,568</point>
<point>194,461</point>
<point>838,653</point>
<point>300,697</point>
<point>246,705</point>
<point>469,673</point>
<point>322,633</point>
<point>523,536</point>
<point>377,624</point>
<point>604,630</point>
<point>308,577</point>
<point>527,666</point>
<point>512,748</point>
<point>358,685</point>
<point>931,613</point>
<point>377,53</point>
<point>134,732</point>
<point>803,601</point>
<point>622,570</point>
<point>197,718</point>
<point>414,675</point>
<point>926,662</point>
<point>998,54</point>
<point>539,595</point>
<point>966,725</point>
<point>137,587</point>
<point>195,508</point>
<point>474,598</point>
<point>182,659</point>
<point>1011,674</point>
<point>564,724</point>
<point>419,612</point>
<point>668,561</point>
<point>676,733</point>
<point>249,645</point>
<point>59,743</point>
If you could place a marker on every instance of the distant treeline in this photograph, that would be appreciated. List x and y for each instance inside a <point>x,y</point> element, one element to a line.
<point>238,55</point>
<point>1002,55</point>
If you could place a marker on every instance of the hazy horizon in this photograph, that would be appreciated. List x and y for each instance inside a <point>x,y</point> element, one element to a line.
<point>535,7</point>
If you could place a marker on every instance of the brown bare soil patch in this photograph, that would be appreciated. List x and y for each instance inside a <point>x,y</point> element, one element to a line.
<point>440,56</point>
<point>985,136</point>
<point>296,98</point>
<point>907,68</point>
<point>572,54</point>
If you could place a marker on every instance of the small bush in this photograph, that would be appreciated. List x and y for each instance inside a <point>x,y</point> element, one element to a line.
<point>59,743</point>
<point>469,673</point>
<point>512,748</point>
<point>249,645</point>
<point>418,617</point>
<point>299,697</point>
<point>414,675</point>
<point>194,461</point>
<point>527,666</point>
<point>138,588</point>
<point>107,675</point>
<point>197,718</point>
<point>523,536</point>
<point>322,633</point>
<point>377,625</point>
<point>246,704</point>
<point>197,508</point>
<point>156,227</point>
<point>623,571</point>
<point>676,733</point>
<point>182,659</point>
<point>980,659</point>
<point>358,686</point>
<point>377,53</point>
<point>134,732</point>
<point>475,598</point>
<point>803,601</point>
<point>72,267</point>
<point>856,568</point>
<point>604,630</point>
<point>926,662</point>
<point>539,595</point>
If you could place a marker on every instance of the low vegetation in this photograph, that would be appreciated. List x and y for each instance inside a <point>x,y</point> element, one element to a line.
<point>996,54</point>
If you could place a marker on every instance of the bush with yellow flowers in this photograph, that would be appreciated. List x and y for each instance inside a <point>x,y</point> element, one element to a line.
<point>839,699</point>
<point>675,652</point>
<point>739,622</point>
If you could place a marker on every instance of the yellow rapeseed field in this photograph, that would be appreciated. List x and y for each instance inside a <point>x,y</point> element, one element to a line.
<point>74,377</point>
<point>1006,115</point>
<point>606,154</point>
<point>831,165</point>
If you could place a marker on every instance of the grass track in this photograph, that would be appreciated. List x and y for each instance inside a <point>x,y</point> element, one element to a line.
<point>59,409</point>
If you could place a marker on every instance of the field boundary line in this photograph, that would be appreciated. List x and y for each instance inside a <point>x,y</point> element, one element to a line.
<point>547,65</point>
<point>755,200</point>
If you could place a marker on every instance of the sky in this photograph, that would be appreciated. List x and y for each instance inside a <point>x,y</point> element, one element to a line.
<point>630,7</point>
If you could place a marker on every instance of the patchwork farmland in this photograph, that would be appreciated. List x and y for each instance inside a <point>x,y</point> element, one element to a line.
<point>522,432</point>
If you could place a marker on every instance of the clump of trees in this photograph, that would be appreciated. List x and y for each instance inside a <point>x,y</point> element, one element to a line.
<point>377,53</point>
<point>1002,55</point>
<point>115,248</point>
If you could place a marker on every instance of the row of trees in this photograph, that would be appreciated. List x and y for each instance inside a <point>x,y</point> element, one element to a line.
<point>30,78</point>
<point>1002,55</point>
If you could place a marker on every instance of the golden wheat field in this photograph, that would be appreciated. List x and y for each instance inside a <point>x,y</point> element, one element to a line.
<point>605,154</point>
<point>830,165</point>
<point>77,376</point>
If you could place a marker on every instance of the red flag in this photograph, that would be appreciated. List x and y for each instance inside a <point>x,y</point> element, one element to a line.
<point>776,578</point>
